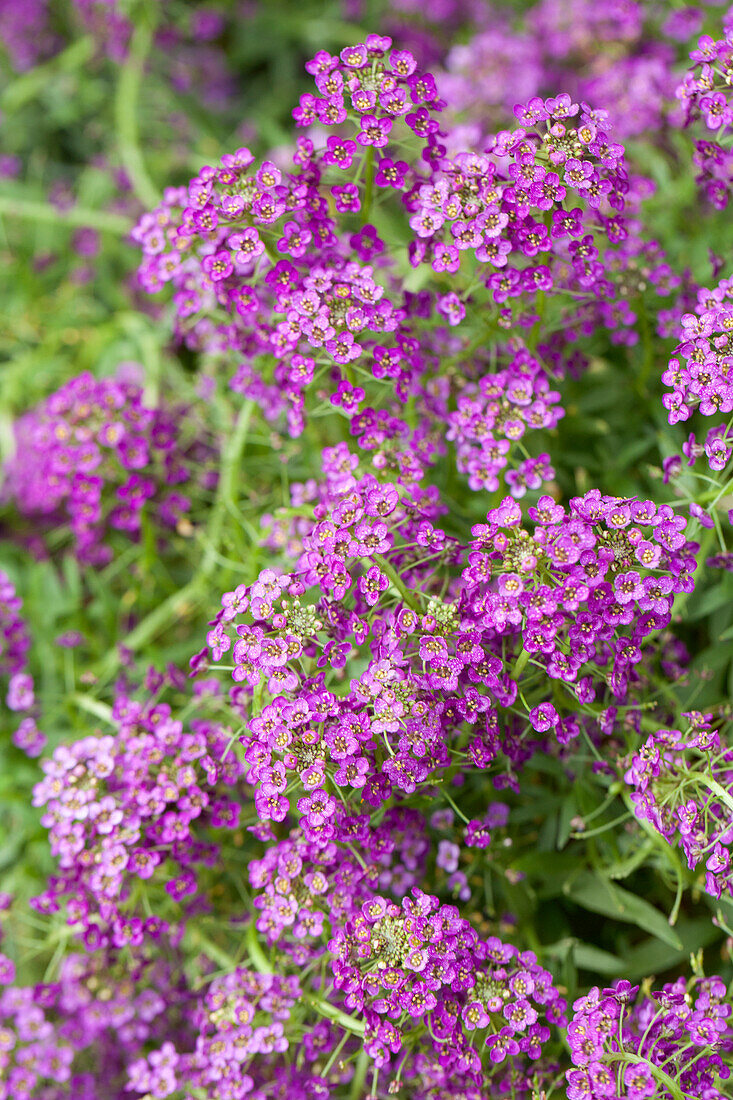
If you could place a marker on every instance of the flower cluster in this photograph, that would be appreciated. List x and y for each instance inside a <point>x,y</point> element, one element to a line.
<point>139,805</point>
<point>559,154</point>
<point>716,449</point>
<point>239,1030</point>
<point>699,373</point>
<point>494,414</point>
<point>283,271</point>
<point>93,455</point>
<point>60,1038</point>
<point>395,969</point>
<point>242,239</point>
<point>582,576</point>
<point>446,630</point>
<point>301,884</point>
<point>705,96</point>
<point>15,642</point>
<point>681,783</point>
<point>405,962</point>
<point>671,1040</point>
<point>379,84</point>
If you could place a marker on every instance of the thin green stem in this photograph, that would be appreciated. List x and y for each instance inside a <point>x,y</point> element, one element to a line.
<point>93,706</point>
<point>450,802</point>
<point>672,919</point>
<point>323,1008</point>
<point>74,218</point>
<point>716,788</point>
<point>126,120</point>
<point>255,952</point>
<point>658,1074</point>
<point>389,570</point>
<point>187,598</point>
<point>29,85</point>
<point>332,1060</point>
<point>600,829</point>
<point>520,664</point>
<point>227,488</point>
<point>179,603</point>
<point>368,185</point>
<point>357,1082</point>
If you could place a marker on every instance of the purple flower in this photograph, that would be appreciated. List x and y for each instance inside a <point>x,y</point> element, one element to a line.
<point>219,266</point>
<point>374,131</point>
<point>502,1046</point>
<point>339,152</point>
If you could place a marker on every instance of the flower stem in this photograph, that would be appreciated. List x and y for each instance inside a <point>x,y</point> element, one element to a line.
<point>126,106</point>
<point>93,706</point>
<point>389,570</point>
<point>658,1074</point>
<point>715,788</point>
<point>187,598</point>
<point>520,664</point>
<point>368,185</point>
<point>77,216</point>
<point>323,1008</point>
<point>357,1081</point>
<point>255,952</point>
<point>450,802</point>
<point>29,85</point>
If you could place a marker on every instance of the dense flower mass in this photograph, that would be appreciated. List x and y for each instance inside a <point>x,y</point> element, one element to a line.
<point>669,1040</point>
<point>17,681</point>
<point>211,239</point>
<point>443,612</point>
<point>699,375</point>
<point>61,1038</point>
<point>425,955</point>
<point>120,806</point>
<point>301,287</point>
<point>406,424</point>
<point>240,1035</point>
<point>93,454</point>
<point>705,96</point>
<point>681,783</point>
<point>467,990</point>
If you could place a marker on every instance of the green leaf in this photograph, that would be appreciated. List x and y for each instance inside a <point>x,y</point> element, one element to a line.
<point>653,957</point>
<point>568,811</point>
<point>622,868</point>
<point>591,890</point>
<point>585,956</point>
<point>718,596</point>
<point>540,806</point>
<point>546,864</point>
<point>632,451</point>
<point>592,958</point>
